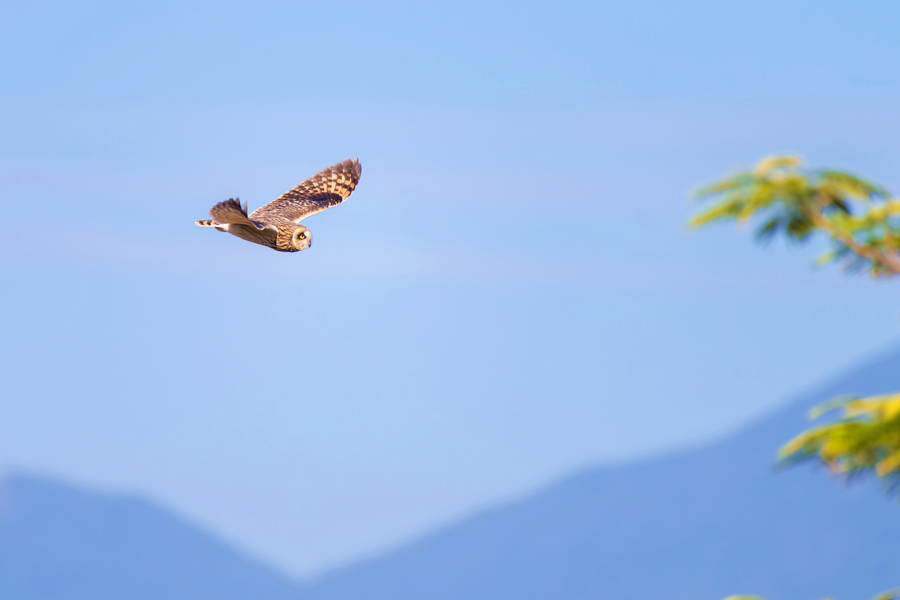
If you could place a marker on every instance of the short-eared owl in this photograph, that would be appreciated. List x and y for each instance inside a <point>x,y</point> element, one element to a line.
<point>277,224</point>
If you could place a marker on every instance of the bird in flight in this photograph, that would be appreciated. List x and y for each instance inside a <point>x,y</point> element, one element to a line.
<point>277,224</point>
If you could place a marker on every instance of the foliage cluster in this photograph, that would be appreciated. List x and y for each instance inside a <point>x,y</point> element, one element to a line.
<point>866,437</point>
<point>863,224</point>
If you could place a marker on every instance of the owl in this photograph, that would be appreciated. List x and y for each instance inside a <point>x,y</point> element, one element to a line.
<point>277,224</point>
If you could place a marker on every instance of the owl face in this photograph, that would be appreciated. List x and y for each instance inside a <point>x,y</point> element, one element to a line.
<point>301,238</point>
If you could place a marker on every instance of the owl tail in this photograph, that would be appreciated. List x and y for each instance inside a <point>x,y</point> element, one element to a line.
<point>206,223</point>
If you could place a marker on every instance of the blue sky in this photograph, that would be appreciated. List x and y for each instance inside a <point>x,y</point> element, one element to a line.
<point>510,294</point>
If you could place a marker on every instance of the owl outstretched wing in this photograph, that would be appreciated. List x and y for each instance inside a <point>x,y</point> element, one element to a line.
<point>329,187</point>
<point>230,212</point>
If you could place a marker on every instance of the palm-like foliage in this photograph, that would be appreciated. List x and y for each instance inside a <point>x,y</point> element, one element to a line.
<point>857,214</point>
<point>866,437</point>
<point>864,225</point>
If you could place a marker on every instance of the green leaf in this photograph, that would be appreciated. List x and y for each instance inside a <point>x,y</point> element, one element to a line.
<point>864,226</point>
<point>771,163</point>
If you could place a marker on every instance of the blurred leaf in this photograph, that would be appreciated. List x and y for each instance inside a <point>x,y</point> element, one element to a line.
<point>769,164</point>
<point>768,231</point>
<point>851,185</point>
<point>856,214</point>
<point>725,185</point>
<point>866,438</point>
<point>829,405</point>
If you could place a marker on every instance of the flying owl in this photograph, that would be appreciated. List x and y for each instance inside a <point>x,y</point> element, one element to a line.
<point>277,224</point>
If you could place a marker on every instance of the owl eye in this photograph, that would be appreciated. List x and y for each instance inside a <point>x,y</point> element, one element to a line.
<point>302,236</point>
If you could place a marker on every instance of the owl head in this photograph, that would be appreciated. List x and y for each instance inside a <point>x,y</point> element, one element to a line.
<point>301,239</point>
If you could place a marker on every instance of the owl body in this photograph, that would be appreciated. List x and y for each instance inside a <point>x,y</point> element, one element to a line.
<point>277,224</point>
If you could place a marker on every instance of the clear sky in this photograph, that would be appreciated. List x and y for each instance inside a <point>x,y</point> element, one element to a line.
<point>510,294</point>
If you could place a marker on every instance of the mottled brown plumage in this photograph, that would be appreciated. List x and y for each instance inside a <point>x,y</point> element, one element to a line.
<point>277,224</point>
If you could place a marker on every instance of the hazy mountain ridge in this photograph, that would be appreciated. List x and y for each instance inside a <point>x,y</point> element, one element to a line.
<point>705,523</point>
<point>698,524</point>
<point>58,541</point>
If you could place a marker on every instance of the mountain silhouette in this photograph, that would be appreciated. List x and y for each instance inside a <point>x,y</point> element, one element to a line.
<point>60,542</point>
<point>700,524</point>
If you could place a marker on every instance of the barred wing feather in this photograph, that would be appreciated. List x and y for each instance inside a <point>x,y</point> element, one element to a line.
<point>230,212</point>
<point>329,187</point>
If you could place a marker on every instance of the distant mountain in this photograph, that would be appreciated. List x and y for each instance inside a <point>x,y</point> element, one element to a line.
<point>699,525</point>
<point>58,542</point>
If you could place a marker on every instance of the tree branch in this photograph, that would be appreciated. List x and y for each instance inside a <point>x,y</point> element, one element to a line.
<point>887,259</point>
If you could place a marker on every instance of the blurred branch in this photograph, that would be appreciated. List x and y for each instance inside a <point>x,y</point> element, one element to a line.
<point>866,437</point>
<point>863,224</point>
<point>864,227</point>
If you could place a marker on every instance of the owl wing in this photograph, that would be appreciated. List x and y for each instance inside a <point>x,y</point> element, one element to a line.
<point>329,187</point>
<point>230,212</point>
